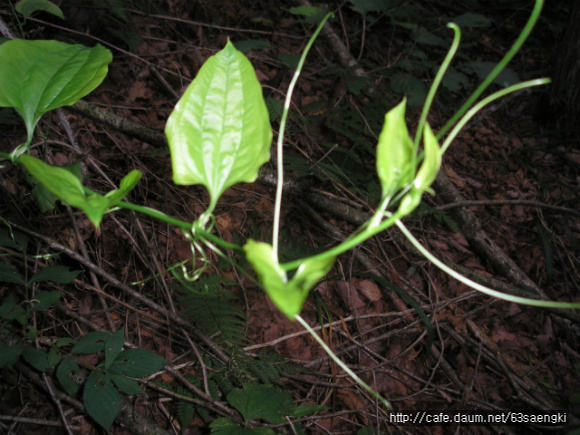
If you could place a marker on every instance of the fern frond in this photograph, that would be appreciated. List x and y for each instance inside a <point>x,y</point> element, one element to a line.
<point>209,306</point>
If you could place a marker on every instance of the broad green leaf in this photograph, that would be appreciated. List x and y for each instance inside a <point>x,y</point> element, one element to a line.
<point>93,342</point>
<point>126,385</point>
<point>288,297</point>
<point>10,310</point>
<point>11,275</point>
<point>409,85</point>
<point>261,401</point>
<point>45,199</point>
<point>363,7</point>
<point>28,7</point>
<point>101,399</point>
<point>9,354</point>
<point>219,133</point>
<point>66,372</point>
<point>43,300</point>
<point>30,332</point>
<point>54,356</point>
<point>13,239</point>
<point>224,426</point>
<point>36,358</point>
<point>113,347</point>
<point>39,76</point>
<point>58,274</point>
<point>137,363</point>
<point>395,152</point>
<point>312,14</point>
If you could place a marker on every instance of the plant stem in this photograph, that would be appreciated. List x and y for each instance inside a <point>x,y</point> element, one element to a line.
<point>472,112</point>
<point>181,224</point>
<point>280,143</point>
<point>475,285</point>
<point>341,364</point>
<point>498,68</point>
<point>437,82</point>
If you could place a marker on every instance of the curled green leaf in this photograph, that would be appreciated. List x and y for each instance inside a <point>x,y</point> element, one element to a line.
<point>288,297</point>
<point>67,187</point>
<point>395,152</point>
<point>426,174</point>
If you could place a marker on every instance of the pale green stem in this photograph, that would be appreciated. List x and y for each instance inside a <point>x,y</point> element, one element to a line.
<point>498,68</point>
<point>343,365</point>
<point>437,82</point>
<point>280,143</point>
<point>473,111</point>
<point>475,285</point>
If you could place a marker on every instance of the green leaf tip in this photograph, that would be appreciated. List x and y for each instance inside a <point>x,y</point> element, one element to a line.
<point>289,297</point>
<point>68,188</point>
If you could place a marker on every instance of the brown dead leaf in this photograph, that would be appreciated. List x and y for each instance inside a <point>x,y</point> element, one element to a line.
<point>455,179</point>
<point>369,290</point>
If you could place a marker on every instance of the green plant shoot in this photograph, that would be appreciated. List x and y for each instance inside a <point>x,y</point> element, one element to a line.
<point>69,188</point>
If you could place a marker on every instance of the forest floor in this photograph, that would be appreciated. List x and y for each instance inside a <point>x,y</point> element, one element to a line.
<point>452,349</point>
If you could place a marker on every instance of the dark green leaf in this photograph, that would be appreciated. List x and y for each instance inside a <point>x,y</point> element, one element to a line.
<point>363,7</point>
<point>407,84</point>
<point>137,363</point>
<point>36,358</point>
<point>10,310</point>
<point>113,347</point>
<point>470,19</point>
<point>101,399</point>
<point>263,402</point>
<point>43,300</point>
<point>28,7</point>
<point>11,275</point>
<point>93,342</point>
<point>65,373</point>
<point>505,78</point>
<point>126,385</point>
<point>224,426</point>
<point>9,354</point>
<point>58,274</point>
<point>13,239</point>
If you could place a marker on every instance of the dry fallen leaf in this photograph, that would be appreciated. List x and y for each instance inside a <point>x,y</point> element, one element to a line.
<point>369,290</point>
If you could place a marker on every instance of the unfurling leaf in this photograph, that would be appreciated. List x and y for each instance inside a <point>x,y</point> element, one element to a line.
<point>426,174</point>
<point>395,152</point>
<point>288,297</point>
<point>219,133</point>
